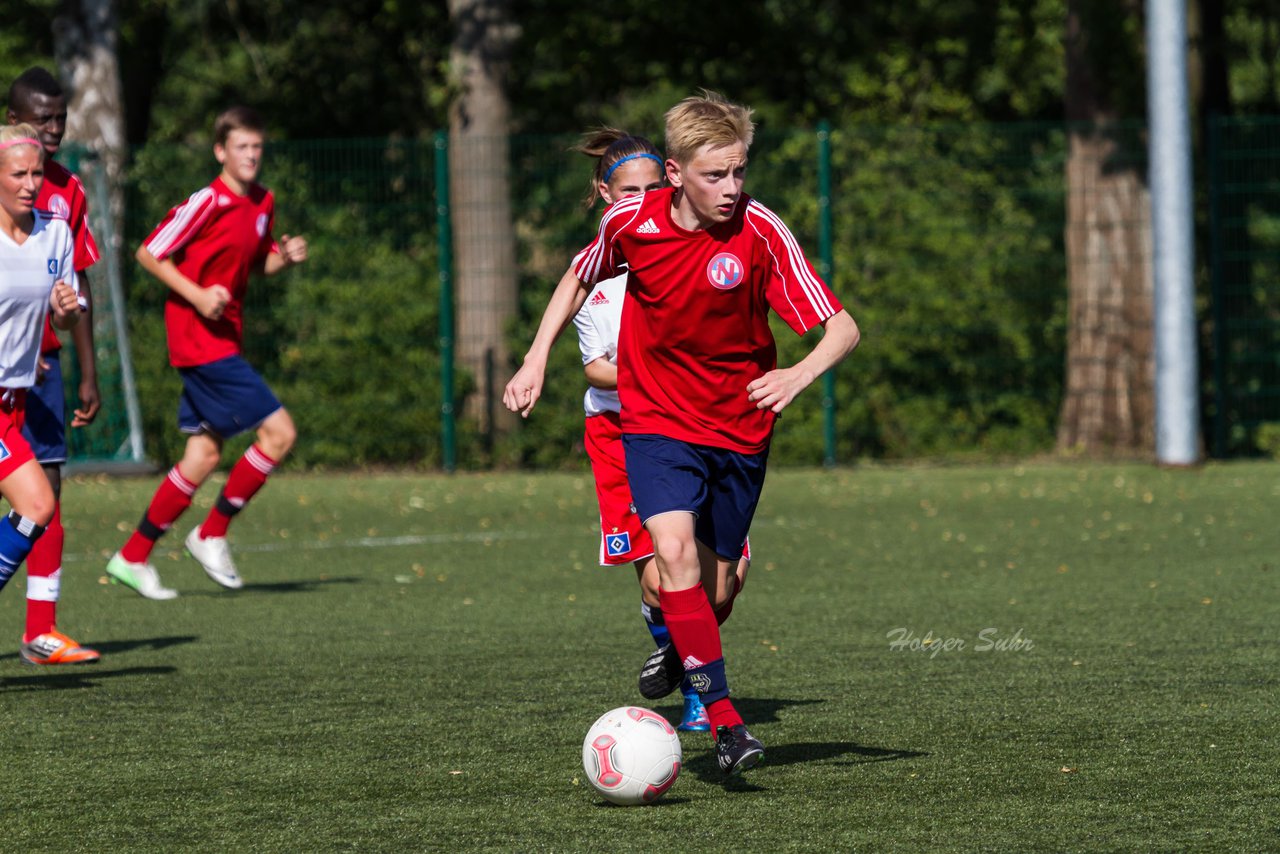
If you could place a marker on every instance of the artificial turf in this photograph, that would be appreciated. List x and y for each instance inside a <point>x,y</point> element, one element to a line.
<point>1086,661</point>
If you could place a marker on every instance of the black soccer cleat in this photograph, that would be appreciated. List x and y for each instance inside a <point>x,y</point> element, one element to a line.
<point>737,750</point>
<point>662,672</point>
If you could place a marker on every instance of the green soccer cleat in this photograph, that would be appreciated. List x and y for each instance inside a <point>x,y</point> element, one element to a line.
<point>142,578</point>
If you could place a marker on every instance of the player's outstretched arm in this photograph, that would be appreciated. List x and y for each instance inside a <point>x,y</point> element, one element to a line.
<point>524,389</point>
<point>776,389</point>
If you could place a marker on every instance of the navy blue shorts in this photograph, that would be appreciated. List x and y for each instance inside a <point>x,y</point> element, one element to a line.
<point>46,427</point>
<point>720,487</point>
<point>225,398</point>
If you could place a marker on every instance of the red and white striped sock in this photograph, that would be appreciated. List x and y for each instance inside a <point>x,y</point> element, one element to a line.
<point>248,475</point>
<point>171,500</point>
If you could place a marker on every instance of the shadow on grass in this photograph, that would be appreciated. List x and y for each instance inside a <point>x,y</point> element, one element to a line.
<point>664,801</point>
<point>704,765</point>
<point>84,676</point>
<point>113,647</point>
<point>309,585</point>
<point>762,711</point>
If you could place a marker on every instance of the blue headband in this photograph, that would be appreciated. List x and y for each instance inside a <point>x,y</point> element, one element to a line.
<point>609,172</point>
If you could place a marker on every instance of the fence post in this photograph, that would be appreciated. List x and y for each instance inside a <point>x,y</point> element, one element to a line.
<point>444,238</point>
<point>826,268</point>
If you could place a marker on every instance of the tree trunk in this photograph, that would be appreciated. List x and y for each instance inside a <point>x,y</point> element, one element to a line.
<point>85,44</point>
<point>1109,400</point>
<point>480,197</point>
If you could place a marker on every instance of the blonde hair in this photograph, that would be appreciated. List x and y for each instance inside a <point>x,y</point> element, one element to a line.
<point>9,133</point>
<point>706,119</point>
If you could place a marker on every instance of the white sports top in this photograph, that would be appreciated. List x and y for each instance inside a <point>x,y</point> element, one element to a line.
<point>598,322</point>
<point>27,275</point>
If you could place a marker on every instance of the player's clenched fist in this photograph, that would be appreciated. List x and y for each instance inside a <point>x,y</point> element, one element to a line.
<point>524,390</point>
<point>213,301</point>
<point>293,249</point>
<point>64,301</point>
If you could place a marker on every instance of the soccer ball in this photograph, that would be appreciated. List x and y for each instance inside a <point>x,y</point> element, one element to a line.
<point>631,755</point>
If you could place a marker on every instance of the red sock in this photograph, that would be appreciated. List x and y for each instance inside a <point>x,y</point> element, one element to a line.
<point>170,501</point>
<point>696,635</point>
<point>246,478</point>
<point>44,565</point>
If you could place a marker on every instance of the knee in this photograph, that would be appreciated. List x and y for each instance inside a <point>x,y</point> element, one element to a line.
<point>39,508</point>
<point>277,436</point>
<point>199,463</point>
<point>678,563</point>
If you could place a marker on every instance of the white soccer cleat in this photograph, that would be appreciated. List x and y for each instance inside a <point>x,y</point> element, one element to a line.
<point>141,577</point>
<point>213,554</point>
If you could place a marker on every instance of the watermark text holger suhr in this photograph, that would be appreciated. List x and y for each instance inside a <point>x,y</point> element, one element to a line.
<point>990,639</point>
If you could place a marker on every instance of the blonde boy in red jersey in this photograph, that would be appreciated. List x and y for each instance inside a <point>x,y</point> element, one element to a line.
<point>204,251</point>
<point>698,377</point>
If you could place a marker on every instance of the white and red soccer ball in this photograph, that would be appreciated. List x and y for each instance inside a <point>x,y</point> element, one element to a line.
<point>631,755</point>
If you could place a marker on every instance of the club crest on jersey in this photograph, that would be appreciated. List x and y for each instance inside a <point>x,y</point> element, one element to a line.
<point>262,225</point>
<point>59,208</point>
<point>4,451</point>
<point>725,271</point>
<point>617,544</point>
<point>52,266</point>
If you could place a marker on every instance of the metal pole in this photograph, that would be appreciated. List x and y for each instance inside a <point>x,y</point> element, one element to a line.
<point>1177,394</point>
<point>444,237</point>
<point>826,267</point>
<point>100,181</point>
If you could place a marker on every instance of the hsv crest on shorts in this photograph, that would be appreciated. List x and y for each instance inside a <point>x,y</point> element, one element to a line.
<point>618,544</point>
<point>52,266</point>
<point>725,271</point>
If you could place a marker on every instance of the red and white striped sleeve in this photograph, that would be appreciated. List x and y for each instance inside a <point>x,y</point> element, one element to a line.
<point>86,246</point>
<point>794,289</point>
<point>601,259</point>
<point>181,224</point>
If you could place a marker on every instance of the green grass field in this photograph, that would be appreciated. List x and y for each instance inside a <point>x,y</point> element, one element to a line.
<point>415,660</point>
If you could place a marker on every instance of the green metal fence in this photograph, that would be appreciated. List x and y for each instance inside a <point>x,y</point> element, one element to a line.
<point>946,243</point>
<point>1244,253</point>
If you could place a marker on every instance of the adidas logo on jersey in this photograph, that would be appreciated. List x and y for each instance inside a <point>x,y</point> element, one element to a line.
<point>599,299</point>
<point>647,227</point>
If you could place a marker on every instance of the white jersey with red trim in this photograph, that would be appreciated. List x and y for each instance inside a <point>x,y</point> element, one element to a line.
<point>695,325</point>
<point>598,323</point>
<point>28,272</point>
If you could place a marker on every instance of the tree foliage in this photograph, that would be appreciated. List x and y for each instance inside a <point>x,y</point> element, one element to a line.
<point>948,242</point>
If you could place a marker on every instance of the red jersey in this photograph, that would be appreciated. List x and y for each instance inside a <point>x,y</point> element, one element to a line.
<point>215,238</point>
<point>695,324</point>
<point>63,195</point>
